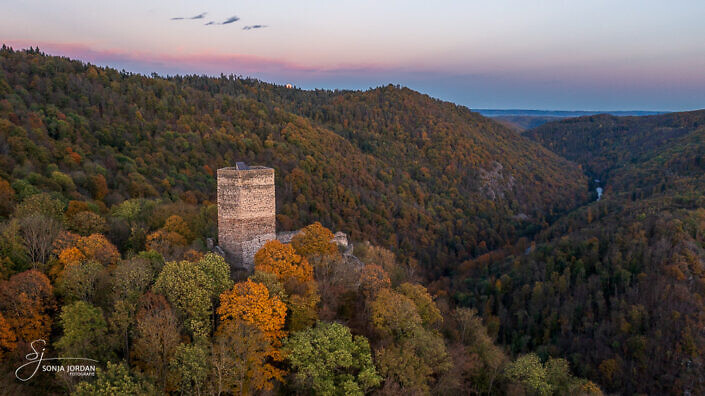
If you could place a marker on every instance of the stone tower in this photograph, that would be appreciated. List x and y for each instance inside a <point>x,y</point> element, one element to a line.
<point>246,212</point>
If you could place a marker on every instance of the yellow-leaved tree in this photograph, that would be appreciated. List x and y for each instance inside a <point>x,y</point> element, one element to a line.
<point>314,240</point>
<point>240,359</point>
<point>251,303</point>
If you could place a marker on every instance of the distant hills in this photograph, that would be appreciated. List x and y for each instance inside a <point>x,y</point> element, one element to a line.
<point>604,142</point>
<point>559,113</point>
<point>521,120</point>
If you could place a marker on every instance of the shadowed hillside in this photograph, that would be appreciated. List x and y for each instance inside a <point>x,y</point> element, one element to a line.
<point>619,284</point>
<point>603,142</point>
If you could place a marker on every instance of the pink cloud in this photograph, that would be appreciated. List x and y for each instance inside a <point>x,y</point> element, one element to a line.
<point>204,62</point>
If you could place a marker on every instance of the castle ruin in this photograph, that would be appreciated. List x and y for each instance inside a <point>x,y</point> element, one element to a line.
<point>247,216</point>
<point>246,212</point>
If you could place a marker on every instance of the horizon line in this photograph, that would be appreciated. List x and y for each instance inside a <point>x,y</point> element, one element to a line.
<point>166,75</point>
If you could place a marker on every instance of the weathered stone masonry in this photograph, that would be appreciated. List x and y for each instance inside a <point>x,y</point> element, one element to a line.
<point>247,216</point>
<point>246,212</point>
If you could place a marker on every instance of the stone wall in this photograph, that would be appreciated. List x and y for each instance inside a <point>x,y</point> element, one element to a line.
<point>287,236</point>
<point>246,213</point>
<point>339,238</point>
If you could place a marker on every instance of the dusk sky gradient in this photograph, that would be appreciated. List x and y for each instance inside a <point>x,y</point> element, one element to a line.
<point>529,54</point>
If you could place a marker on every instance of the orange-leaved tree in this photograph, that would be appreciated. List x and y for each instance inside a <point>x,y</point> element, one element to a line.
<point>71,256</point>
<point>296,275</point>
<point>157,336</point>
<point>26,300</point>
<point>64,240</point>
<point>281,260</point>
<point>8,338</point>
<point>373,279</point>
<point>250,302</point>
<point>175,223</point>
<point>168,244</point>
<point>92,247</point>
<point>97,247</point>
<point>7,198</point>
<point>171,240</point>
<point>99,186</point>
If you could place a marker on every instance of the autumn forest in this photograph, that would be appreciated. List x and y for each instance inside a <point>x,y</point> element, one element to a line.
<point>484,261</point>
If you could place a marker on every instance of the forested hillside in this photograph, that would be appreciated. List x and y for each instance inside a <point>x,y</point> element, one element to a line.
<point>602,142</point>
<point>107,193</point>
<point>106,206</point>
<point>388,165</point>
<point>617,286</point>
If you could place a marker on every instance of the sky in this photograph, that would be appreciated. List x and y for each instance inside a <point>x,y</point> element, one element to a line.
<point>502,54</point>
